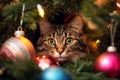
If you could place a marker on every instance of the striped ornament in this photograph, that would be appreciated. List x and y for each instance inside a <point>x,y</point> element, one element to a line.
<point>18,49</point>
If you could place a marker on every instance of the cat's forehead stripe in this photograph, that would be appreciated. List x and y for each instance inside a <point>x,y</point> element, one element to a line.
<point>60,30</point>
<point>52,35</point>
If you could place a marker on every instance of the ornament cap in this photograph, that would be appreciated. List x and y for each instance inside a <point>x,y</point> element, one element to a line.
<point>111,49</point>
<point>19,33</point>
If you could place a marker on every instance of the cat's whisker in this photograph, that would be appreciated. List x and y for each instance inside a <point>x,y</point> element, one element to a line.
<point>62,41</point>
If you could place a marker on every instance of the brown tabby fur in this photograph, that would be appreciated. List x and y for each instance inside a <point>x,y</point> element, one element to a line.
<point>64,42</point>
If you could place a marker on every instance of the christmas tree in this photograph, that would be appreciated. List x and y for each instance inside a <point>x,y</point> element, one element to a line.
<point>96,14</point>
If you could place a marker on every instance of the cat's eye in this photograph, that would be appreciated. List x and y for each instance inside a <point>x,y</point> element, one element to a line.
<point>69,40</point>
<point>51,41</point>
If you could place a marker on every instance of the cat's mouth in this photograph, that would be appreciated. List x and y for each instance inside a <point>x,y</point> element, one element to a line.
<point>61,59</point>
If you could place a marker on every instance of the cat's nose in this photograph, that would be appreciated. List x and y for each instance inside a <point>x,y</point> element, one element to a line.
<point>60,50</point>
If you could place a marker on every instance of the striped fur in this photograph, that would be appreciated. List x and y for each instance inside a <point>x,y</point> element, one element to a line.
<point>63,42</point>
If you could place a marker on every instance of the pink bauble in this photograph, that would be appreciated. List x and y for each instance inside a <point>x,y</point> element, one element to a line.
<point>108,63</point>
<point>18,49</point>
<point>45,61</point>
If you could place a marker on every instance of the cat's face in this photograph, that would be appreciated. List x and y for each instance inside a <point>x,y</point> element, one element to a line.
<point>63,42</point>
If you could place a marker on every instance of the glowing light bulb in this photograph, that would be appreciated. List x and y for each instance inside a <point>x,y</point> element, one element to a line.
<point>40,10</point>
<point>97,41</point>
<point>118,4</point>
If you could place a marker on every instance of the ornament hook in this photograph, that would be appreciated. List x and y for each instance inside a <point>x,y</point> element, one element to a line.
<point>113,27</point>
<point>21,21</point>
<point>19,32</point>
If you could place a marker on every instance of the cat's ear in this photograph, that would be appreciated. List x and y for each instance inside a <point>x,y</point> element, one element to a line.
<point>44,26</point>
<point>77,24</point>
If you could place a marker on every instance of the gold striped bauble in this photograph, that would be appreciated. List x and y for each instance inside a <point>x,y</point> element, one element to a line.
<point>18,49</point>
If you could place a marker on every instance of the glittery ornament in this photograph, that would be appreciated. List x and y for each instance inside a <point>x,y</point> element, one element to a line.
<point>45,61</point>
<point>54,73</point>
<point>108,63</point>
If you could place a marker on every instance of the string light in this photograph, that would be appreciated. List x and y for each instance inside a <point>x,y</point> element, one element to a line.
<point>40,10</point>
<point>97,41</point>
<point>118,3</point>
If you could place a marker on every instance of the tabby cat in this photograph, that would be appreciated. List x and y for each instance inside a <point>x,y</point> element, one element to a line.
<point>64,42</point>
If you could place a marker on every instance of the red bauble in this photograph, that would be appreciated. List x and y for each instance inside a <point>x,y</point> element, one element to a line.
<point>45,61</point>
<point>108,63</point>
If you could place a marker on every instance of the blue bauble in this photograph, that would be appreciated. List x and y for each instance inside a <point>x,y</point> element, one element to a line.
<point>54,73</point>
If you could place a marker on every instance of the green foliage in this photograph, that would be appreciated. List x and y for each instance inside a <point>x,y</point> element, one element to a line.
<point>31,20</point>
<point>94,13</point>
<point>25,70</point>
<point>83,69</point>
<point>11,14</point>
<point>72,6</point>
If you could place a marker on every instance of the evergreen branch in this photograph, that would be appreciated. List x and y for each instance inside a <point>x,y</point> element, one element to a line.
<point>84,70</point>
<point>26,70</point>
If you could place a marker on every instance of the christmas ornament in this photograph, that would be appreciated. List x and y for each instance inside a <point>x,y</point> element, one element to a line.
<point>109,61</point>
<point>18,48</point>
<point>55,73</point>
<point>45,61</point>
